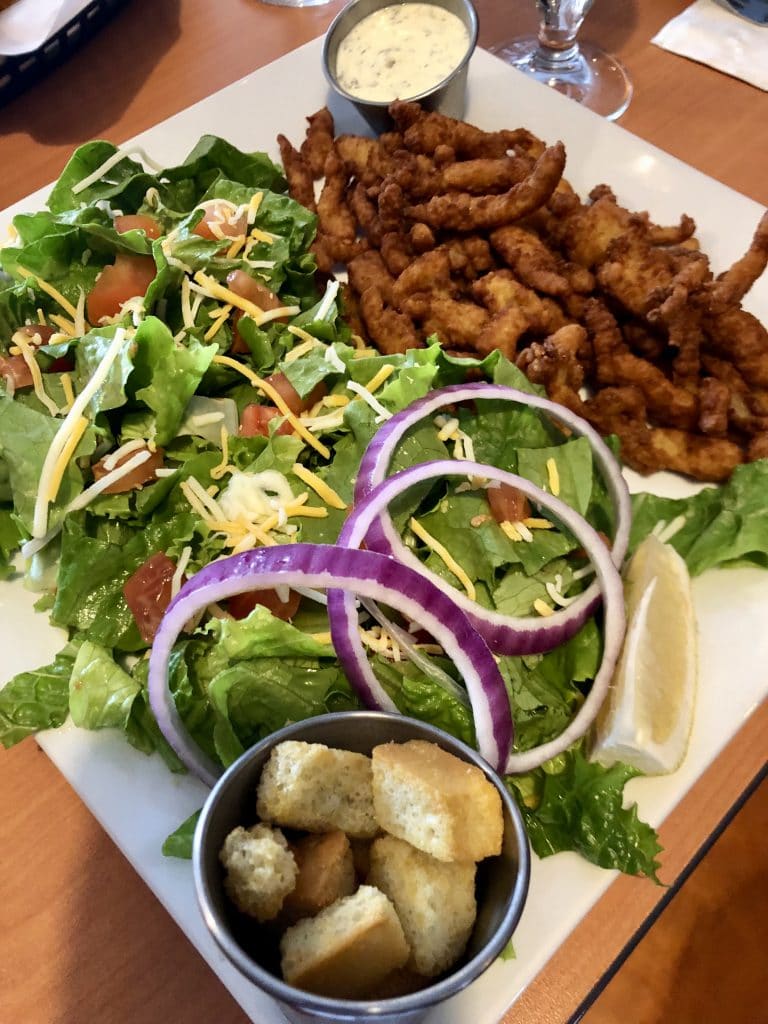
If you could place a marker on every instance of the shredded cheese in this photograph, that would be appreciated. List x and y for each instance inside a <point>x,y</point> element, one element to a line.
<point>542,607</point>
<point>320,487</point>
<point>65,326</point>
<point>73,440</point>
<point>106,481</point>
<point>447,430</point>
<point>66,387</point>
<point>510,530</point>
<point>533,523</point>
<point>378,379</point>
<point>369,399</point>
<point>54,293</point>
<point>221,316</point>
<point>181,566</point>
<point>109,163</point>
<point>123,452</point>
<point>553,476</point>
<point>28,355</point>
<point>276,400</point>
<point>301,350</point>
<point>253,206</point>
<point>443,553</point>
<point>213,290</point>
<point>331,290</point>
<point>223,467</point>
<point>56,451</point>
<point>334,359</point>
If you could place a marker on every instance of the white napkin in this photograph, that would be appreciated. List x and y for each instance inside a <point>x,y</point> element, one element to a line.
<point>27,24</point>
<point>711,34</point>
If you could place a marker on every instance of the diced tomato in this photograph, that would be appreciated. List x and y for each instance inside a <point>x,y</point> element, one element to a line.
<point>128,276</point>
<point>508,505</point>
<point>241,605</point>
<point>581,553</point>
<point>41,334</point>
<point>15,371</point>
<point>148,593</point>
<point>290,395</point>
<point>38,334</point>
<point>217,213</point>
<point>138,222</point>
<point>249,288</point>
<point>142,474</point>
<point>255,421</point>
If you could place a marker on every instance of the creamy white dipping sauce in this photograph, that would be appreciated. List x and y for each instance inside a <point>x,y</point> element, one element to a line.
<point>400,51</point>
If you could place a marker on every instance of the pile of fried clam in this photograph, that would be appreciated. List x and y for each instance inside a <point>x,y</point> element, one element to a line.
<point>476,238</point>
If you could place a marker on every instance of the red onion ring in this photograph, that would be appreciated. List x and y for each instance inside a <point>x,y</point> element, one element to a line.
<point>367,573</point>
<point>551,631</point>
<point>504,635</point>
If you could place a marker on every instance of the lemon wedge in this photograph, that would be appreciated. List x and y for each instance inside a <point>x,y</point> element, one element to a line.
<point>647,717</point>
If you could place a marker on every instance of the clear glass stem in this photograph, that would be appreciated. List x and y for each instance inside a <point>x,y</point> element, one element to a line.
<point>560,24</point>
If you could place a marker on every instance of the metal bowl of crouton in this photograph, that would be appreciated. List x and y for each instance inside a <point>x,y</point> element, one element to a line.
<point>302,835</point>
<point>377,51</point>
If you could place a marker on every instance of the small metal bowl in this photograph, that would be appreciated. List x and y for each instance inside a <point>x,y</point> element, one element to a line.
<point>502,882</point>
<point>447,96</point>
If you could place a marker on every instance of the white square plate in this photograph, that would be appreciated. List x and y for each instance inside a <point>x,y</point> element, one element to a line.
<point>139,802</point>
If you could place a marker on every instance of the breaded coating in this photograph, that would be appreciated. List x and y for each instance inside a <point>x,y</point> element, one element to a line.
<point>334,216</point>
<point>389,330</point>
<point>464,212</point>
<point>300,184</point>
<point>318,142</point>
<point>477,238</point>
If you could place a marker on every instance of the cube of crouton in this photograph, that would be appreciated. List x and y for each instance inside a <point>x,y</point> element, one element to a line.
<point>261,870</point>
<point>313,787</point>
<point>326,873</point>
<point>434,900</point>
<point>436,802</point>
<point>348,949</point>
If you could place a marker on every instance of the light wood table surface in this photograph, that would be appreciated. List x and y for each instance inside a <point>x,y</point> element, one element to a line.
<point>83,940</point>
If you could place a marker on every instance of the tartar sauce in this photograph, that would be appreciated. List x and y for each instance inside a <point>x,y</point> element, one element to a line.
<point>400,51</point>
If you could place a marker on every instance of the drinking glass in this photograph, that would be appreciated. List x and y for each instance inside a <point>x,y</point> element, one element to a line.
<point>581,71</point>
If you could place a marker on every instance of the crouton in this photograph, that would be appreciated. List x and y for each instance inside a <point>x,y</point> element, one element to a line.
<point>313,787</point>
<point>261,870</point>
<point>436,802</point>
<point>434,900</point>
<point>348,949</point>
<point>326,873</point>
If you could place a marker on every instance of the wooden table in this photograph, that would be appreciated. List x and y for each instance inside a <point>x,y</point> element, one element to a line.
<point>83,940</point>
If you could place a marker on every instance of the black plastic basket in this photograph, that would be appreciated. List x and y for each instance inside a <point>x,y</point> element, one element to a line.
<point>19,73</point>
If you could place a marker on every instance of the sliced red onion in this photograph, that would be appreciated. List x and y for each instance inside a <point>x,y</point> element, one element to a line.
<point>528,634</point>
<point>503,634</point>
<point>367,573</point>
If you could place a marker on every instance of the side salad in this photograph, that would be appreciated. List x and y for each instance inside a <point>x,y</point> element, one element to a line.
<point>174,388</point>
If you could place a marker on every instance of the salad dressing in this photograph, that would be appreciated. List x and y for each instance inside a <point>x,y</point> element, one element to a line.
<point>400,51</point>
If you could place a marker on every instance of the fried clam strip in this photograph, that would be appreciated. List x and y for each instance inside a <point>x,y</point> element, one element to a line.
<point>584,232</point>
<point>615,365</point>
<point>318,143</point>
<point>476,237</point>
<point>462,211</point>
<point>298,174</point>
<point>536,265</point>
<point>645,448</point>
<point>428,132</point>
<point>733,285</point>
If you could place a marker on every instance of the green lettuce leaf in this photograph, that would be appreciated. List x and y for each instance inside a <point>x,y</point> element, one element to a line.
<point>179,842</point>
<point>101,694</point>
<point>719,525</point>
<point>579,806</point>
<point>37,700</point>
